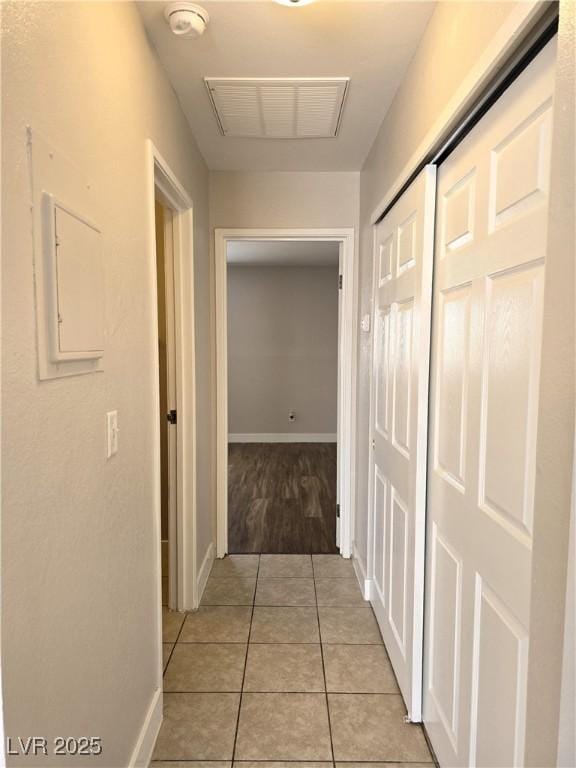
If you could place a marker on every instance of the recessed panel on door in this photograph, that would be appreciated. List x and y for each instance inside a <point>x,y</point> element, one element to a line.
<point>380,513</point>
<point>398,559</point>
<point>382,352</point>
<point>452,384</point>
<point>444,645</point>
<point>458,209</point>
<point>500,659</point>
<point>509,399</point>
<point>402,382</point>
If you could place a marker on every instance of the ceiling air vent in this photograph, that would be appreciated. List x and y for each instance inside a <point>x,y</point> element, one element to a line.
<point>278,108</point>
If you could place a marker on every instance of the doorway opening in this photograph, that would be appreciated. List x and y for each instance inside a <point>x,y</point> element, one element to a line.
<point>282,397</point>
<point>174,413</point>
<point>167,416</point>
<point>285,384</point>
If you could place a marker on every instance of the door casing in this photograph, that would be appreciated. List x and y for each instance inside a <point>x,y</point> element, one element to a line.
<point>347,366</point>
<point>164,186</point>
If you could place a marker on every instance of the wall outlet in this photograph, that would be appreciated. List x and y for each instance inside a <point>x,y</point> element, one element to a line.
<point>112,433</point>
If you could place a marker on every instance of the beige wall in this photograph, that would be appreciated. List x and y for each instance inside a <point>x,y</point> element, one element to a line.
<point>283,199</point>
<point>282,349</point>
<point>456,36</point>
<point>80,615</point>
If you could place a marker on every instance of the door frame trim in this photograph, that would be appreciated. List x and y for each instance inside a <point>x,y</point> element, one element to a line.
<point>347,362</point>
<point>163,184</point>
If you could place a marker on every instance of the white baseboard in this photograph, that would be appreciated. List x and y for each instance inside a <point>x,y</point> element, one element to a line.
<point>283,437</point>
<point>204,571</point>
<point>363,581</point>
<point>142,752</point>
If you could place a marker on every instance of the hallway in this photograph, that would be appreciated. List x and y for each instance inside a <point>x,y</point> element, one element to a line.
<point>288,371</point>
<point>283,662</point>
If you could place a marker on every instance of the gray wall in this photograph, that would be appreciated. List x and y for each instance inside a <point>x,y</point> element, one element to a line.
<point>282,349</point>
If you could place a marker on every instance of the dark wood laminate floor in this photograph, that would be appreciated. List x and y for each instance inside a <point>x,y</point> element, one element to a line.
<point>282,498</point>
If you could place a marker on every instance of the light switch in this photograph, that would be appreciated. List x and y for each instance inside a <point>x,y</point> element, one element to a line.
<point>112,432</point>
<point>365,324</point>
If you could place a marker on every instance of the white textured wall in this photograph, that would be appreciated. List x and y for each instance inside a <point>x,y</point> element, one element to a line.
<point>282,349</point>
<point>456,36</point>
<point>79,592</point>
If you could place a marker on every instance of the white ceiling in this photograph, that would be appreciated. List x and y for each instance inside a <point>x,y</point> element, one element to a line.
<point>370,41</point>
<point>282,254</point>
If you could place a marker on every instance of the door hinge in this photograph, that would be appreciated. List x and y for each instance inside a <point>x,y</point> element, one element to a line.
<point>338,510</point>
<point>172,416</point>
<point>340,281</point>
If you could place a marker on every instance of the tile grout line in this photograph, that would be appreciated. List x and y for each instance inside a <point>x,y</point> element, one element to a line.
<point>323,668</point>
<point>289,693</point>
<point>285,605</point>
<point>306,762</point>
<point>165,666</point>
<point>233,758</point>
<point>271,642</point>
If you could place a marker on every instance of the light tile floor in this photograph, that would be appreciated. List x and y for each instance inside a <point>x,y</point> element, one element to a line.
<point>282,663</point>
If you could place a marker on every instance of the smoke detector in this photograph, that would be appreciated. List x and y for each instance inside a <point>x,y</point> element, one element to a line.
<point>294,3</point>
<point>186,19</point>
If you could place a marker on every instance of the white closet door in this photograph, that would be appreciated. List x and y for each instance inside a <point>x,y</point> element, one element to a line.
<point>402,299</point>
<point>489,270</point>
